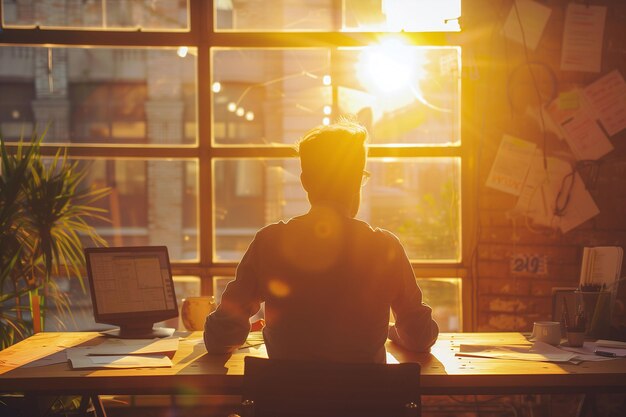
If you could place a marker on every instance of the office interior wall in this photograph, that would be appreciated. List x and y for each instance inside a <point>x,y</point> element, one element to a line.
<point>498,90</point>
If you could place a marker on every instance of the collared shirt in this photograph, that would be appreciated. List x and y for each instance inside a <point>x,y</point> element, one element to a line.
<point>328,282</point>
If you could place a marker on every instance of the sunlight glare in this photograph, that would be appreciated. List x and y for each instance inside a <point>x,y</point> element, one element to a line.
<point>391,66</point>
<point>182,51</point>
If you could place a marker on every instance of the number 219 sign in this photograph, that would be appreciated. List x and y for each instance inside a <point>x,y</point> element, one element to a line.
<point>529,264</point>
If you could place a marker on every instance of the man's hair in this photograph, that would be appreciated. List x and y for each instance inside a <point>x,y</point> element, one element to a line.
<point>332,159</point>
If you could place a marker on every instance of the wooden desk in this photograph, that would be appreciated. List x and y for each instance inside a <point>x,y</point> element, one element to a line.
<point>196,372</point>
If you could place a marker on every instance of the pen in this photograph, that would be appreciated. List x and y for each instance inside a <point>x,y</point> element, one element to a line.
<point>607,354</point>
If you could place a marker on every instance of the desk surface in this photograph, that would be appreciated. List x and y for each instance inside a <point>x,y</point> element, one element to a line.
<point>22,368</point>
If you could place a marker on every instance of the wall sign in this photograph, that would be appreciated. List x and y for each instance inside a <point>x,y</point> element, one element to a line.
<point>522,263</point>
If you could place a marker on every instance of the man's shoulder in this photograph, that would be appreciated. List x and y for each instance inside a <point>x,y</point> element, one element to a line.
<point>375,232</point>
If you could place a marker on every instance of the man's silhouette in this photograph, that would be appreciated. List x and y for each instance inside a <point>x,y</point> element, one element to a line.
<point>327,279</point>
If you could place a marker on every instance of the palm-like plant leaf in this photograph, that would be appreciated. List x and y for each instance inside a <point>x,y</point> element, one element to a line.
<point>44,208</point>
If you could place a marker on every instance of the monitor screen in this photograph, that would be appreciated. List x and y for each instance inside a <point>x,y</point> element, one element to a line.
<point>131,287</point>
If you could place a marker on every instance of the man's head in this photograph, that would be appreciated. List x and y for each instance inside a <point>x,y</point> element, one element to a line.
<point>332,159</point>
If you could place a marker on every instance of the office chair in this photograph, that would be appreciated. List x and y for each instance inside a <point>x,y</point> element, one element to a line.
<point>284,388</point>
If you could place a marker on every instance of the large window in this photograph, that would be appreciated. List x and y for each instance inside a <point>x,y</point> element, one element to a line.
<point>189,111</point>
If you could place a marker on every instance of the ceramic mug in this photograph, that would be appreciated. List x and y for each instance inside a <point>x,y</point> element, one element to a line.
<point>195,311</point>
<point>547,331</point>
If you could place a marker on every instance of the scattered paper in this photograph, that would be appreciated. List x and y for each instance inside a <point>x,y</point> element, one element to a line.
<point>79,361</point>
<point>586,352</point>
<point>165,346</point>
<point>125,353</point>
<point>538,352</point>
<point>533,17</point>
<point>582,38</point>
<point>607,99</point>
<point>614,344</point>
<point>511,165</point>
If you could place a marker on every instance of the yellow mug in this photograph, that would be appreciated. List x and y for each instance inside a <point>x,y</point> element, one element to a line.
<point>195,311</point>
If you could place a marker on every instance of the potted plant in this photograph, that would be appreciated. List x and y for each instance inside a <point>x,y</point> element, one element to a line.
<point>44,208</point>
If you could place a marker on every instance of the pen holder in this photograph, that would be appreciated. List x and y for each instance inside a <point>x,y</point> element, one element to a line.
<point>597,308</point>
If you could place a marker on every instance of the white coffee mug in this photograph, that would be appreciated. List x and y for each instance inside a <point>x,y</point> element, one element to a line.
<point>547,332</point>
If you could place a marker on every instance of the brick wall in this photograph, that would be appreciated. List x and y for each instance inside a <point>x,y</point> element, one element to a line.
<point>506,300</point>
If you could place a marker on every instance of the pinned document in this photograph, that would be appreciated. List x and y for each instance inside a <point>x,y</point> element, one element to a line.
<point>510,167</point>
<point>526,22</point>
<point>582,38</point>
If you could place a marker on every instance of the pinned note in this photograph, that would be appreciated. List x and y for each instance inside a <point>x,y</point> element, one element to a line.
<point>607,99</point>
<point>579,126</point>
<point>582,38</point>
<point>511,165</point>
<point>526,22</point>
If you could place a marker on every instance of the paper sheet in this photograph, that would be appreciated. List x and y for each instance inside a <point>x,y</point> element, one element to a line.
<point>538,197</point>
<point>538,352</point>
<point>79,361</point>
<point>582,38</point>
<point>165,346</point>
<point>607,99</point>
<point>586,352</point>
<point>580,128</point>
<point>534,17</point>
<point>511,165</point>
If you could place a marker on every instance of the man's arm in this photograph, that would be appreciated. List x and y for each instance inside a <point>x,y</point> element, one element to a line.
<point>414,328</point>
<point>228,326</point>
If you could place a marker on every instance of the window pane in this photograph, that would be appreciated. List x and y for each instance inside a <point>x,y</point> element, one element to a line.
<point>442,294</point>
<point>152,202</point>
<point>418,199</point>
<point>143,15</point>
<point>81,316</point>
<point>332,15</point>
<point>402,15</point>
<point>403,94</point>
<point>445,297</point>
<point>268,96</point>
<point>100,95</point>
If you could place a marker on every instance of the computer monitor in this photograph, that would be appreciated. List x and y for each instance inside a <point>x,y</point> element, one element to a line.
<point>132,287</point>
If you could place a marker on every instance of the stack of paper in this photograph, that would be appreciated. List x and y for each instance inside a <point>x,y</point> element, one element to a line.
<point>125,353</point>
<point>601,267</point>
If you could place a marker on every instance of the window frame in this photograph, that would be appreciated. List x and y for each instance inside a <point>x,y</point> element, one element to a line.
<point>202,36</point>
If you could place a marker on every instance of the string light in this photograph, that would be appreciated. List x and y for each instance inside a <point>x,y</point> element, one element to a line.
<point>216,87</point>
<point>240,111</point>
<point>250,116</point>
<point>328,110</point>
<point>326,80</point>
<point>232,106</point>
<point>326,121</point>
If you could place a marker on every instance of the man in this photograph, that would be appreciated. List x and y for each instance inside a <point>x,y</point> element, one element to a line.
<point>327,279</point>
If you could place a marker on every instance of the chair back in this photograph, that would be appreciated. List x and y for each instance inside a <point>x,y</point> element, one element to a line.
<point>277,388</point>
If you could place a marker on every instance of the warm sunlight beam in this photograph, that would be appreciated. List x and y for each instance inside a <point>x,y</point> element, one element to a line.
<point>392,69</point>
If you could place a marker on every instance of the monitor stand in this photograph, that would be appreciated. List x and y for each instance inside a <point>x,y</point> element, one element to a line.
<point>139,332</point>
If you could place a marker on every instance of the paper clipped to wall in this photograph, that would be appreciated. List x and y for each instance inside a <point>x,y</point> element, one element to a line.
<point>540,195</point>
<point>511,165</point>
<point>533,17</point>
<point>582,38</point>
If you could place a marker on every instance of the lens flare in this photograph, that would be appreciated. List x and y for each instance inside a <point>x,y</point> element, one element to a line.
<point>278,288</point>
